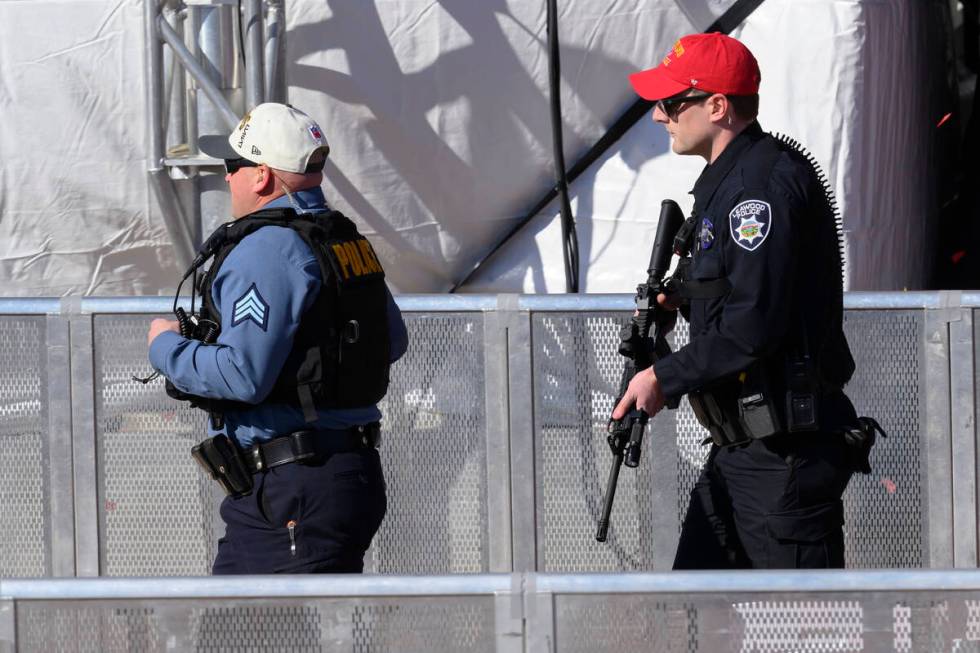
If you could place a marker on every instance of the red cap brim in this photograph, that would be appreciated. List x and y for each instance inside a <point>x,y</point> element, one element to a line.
<point>654,84</point>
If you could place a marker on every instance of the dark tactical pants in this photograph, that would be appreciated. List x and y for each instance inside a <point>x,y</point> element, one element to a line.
<point>768,504</point>
<point>336,506</point>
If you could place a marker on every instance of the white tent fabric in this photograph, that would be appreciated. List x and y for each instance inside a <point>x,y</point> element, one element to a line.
<point>76,215</point>
<point>860,84</point>
<point>437,115</point>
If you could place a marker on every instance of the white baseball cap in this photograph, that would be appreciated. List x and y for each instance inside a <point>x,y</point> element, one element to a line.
<point>277,135</point>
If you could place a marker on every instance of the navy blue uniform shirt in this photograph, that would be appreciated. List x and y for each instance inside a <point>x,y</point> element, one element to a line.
<point>753,237</point>
<point>245,361</point>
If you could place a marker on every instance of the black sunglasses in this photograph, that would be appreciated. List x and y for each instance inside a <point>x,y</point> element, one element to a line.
<point>234,165</point>
<point>672,106</point>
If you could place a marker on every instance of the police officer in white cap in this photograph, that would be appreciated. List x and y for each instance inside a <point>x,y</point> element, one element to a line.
<point>306,333</point>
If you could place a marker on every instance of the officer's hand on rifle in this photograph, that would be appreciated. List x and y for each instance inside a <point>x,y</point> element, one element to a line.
<point>671,302</point>
<point>668,317</point>
<point>643,392</point>
<point>158,326</point>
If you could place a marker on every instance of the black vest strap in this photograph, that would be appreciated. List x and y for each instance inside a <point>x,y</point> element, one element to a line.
<point>694,289</point>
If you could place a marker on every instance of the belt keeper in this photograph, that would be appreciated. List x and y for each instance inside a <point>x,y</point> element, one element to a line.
<point>257,457</point>
<point>301,444</point>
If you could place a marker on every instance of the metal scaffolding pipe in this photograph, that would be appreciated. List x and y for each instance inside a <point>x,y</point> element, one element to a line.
<point>196,70</point>
<point>191,27</point>
<point>154,85</point>
<point>173,216</point>
<point>273,40</point>
<point>254,65</point>
<point>217,42</point>
<point>160,182</point>
<point>175,89</point>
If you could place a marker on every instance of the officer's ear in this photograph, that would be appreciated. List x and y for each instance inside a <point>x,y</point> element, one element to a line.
<point>718,106</point>
<point>264,181</point>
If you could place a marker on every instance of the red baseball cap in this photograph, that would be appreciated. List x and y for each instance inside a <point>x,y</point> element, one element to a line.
<point>708,62</point>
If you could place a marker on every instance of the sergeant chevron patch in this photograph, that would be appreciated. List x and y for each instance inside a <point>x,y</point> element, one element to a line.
<point>251,306</point>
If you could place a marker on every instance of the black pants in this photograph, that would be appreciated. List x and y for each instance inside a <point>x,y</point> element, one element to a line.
<point>768,504</point>
<point>335,505</point>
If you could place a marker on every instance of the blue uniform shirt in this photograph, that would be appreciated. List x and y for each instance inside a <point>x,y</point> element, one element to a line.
<point>244,363</point>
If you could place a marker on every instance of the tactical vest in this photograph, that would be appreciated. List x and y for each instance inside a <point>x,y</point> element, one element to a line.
<point>341,351</point>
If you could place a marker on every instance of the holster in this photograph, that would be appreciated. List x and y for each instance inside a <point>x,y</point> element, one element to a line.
<point>223,461</point>
<point>860,440</point>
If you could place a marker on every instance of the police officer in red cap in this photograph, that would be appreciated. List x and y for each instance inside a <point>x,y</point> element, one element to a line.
<point>762,288</point>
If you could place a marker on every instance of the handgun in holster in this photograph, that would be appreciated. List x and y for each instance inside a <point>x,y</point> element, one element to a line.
<point>223,461</point>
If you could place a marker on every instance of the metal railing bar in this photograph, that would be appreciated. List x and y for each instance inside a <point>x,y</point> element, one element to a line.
<point>244,587</point>
<point>29,306</point>
<point>163,304</point>
<point>571,302</point>
<point>679,582</point>
<point>911,299</point>
<point>463,303</point>
<point>768,581</point>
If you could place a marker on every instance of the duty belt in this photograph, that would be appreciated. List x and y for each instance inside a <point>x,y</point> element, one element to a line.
<point>310,445</point>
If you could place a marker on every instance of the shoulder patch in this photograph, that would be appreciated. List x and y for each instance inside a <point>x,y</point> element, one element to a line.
<point>251,306</point>
<point>750,222</point>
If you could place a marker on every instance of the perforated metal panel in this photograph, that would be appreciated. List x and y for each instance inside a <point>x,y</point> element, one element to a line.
<point>587,624</point>
<point>156,507</point>
<point>768,623</point>
<point>279,626</point>
<point>25,529</point>
<point>883,511</point>
<point>463,624</point>
<point>771,626</point>
<point>884,524</point>
<point>416,625</point>
<point>577,372</point>
<point>84,628</point>
<point>434,451</point>
<point>691,449</point>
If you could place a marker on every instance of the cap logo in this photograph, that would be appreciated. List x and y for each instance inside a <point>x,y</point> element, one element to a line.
<point>677,51</point>
<point>243,128</point>
<point>315,133</point>
<point>256,151</point>
<point>241,137</point>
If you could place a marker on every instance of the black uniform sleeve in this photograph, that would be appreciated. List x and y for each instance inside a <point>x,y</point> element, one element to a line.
<point>758,255</point>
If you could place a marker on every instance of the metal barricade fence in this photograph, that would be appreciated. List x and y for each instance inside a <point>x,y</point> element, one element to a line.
<point>494,448</point>
<point>868,611</point>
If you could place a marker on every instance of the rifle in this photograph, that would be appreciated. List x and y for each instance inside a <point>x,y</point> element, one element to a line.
<point>641,350</point>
